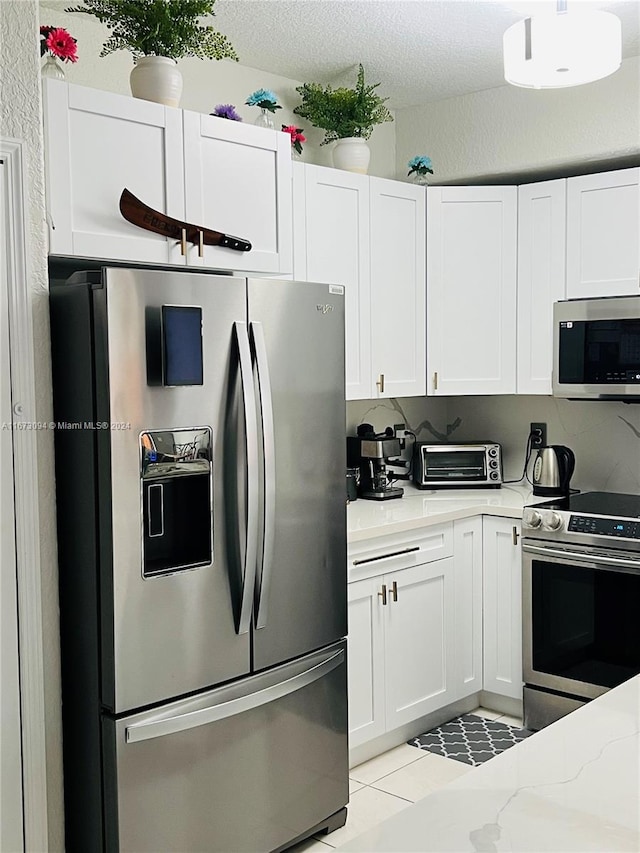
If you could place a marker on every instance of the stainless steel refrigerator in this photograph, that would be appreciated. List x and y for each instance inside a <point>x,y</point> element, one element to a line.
<point>200,463</point>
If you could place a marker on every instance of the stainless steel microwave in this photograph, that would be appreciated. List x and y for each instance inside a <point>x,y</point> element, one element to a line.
<point>457,465</point>
<point>596,348</point>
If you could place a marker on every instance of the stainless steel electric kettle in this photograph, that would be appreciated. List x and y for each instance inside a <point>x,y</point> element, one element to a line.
<point>552,471</point>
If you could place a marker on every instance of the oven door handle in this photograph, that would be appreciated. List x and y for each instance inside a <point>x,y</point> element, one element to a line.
<point>591,559</point>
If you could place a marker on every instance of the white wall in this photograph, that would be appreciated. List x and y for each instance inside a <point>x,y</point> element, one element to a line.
<point>20,118</point>
<point>515,131</point>
<point>206,83</point>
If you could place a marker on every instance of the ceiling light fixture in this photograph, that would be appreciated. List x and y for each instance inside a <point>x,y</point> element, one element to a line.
<point>553,51</point>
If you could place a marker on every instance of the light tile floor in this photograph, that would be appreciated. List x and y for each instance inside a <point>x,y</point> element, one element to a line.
<point>389,783</point>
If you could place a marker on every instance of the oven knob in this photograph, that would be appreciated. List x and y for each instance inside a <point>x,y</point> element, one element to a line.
<point>531,518</point>
<point>552,521</point>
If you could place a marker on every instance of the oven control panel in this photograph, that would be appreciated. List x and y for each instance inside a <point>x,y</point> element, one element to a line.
<point>603,526</point>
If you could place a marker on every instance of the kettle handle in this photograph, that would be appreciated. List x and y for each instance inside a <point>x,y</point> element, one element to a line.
<point>568,463</point>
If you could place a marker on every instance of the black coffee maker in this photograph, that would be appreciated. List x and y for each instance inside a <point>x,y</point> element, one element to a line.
<point>370,452</point>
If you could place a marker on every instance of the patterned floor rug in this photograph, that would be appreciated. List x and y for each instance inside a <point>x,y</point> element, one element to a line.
<point>470,739</point>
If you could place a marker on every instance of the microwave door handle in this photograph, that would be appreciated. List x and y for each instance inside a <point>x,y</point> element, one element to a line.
<point>265,560</point>
<point>251,439</point>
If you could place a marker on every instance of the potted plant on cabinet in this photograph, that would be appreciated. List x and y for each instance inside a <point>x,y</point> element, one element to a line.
<point>347,116</point>
<point>158,33</point>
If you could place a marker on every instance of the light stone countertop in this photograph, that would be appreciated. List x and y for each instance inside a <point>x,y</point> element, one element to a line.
<point>573,786</point>
<point>419,508</point>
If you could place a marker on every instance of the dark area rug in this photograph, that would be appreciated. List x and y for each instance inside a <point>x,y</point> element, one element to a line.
<point>470,739</point>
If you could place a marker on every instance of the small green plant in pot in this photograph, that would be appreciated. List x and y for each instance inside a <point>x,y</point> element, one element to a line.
<point>158,33</point>
<point>346,115</point>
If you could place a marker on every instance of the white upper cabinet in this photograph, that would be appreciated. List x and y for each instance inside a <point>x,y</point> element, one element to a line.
<point>331,236</point>
<point>368,235</point>
<point>203,170</point>
<point>398,288</point>
<point>471,290</point>
<point>96,145</point>
<point>238,180</point>
<point>541,279</point>
<point>603,234</point>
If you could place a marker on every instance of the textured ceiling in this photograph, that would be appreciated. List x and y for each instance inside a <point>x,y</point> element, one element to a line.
<point>419,50</point>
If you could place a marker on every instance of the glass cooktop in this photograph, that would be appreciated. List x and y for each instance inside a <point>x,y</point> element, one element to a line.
<point>598,503</point>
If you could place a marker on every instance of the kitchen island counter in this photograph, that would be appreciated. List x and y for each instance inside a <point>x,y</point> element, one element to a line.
<point>574,786</point>
<point>419,508</point>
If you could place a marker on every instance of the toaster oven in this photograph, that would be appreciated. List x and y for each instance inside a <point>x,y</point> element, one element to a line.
<point>443,465</point>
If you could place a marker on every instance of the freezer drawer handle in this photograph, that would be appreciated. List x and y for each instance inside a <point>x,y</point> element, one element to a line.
<point>158,728</point>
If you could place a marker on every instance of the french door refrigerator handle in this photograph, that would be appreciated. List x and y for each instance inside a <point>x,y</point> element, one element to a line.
<point>181,722</point>
<point>251,427</point>
<point>269,456</point>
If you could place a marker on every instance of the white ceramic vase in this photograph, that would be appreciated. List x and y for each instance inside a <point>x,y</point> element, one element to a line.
<point>352,154</point>
<point>156,78</point>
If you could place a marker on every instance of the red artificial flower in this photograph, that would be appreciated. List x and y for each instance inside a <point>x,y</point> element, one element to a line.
<point>61,44</point>
<point>296,136</point>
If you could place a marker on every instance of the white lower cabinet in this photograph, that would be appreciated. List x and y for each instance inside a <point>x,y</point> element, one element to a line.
<point>467,557</point>
<point>400,629</point>
<point>419,640</point>
<point>365,662</point>
<point>502,606</point>
<point>434,618</point>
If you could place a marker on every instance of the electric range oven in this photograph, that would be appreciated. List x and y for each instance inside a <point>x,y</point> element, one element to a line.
<point>581,601</point>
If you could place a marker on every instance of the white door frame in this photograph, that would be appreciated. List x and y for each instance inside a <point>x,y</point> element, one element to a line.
<point>27,524</point>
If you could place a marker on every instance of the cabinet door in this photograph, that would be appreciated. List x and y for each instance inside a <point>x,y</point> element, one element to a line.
<point>419,641</point>
<point>238,180</point>
<point>467,558</point>
<point>398,288</point>
<point>336,242</point>
<point>96,144</point>
<point>603,234</point>
<point>541,279</point>
<point>365,661</point>
<point>502,606</point>
<point>471,290</point>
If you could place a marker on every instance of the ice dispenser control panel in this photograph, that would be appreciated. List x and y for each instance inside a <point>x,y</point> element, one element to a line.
<point>176,494</point>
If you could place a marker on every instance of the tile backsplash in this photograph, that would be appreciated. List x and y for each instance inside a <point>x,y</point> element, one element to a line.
<point>604,436</point>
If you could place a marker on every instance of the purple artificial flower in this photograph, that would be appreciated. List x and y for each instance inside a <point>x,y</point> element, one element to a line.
<point>226,111</point>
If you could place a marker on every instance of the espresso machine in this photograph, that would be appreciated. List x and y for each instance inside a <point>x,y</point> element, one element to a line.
<point>371,452</point>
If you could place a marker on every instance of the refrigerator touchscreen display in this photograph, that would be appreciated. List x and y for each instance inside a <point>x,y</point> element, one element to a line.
<point>182,345</point>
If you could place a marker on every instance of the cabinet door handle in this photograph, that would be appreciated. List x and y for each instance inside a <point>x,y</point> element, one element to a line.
<point>380,383</point>
<point>394,590</point>
<point>200,244</point>
<point>183,241</point>
<point>383,594</point>
<point>515,534</point>
<point>435,381</point>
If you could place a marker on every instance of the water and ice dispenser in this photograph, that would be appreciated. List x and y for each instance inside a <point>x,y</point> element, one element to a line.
<point>176,499</point>
<point>175,464</point>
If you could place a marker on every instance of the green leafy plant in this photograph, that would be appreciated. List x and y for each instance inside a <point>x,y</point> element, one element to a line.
<point>343,112</point>
<point>159,28</point>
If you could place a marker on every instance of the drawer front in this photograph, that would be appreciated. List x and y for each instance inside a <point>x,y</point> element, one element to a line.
<point>374,557</point>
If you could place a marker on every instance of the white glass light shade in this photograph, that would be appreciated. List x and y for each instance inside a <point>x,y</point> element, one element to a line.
<point>565,49</point>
